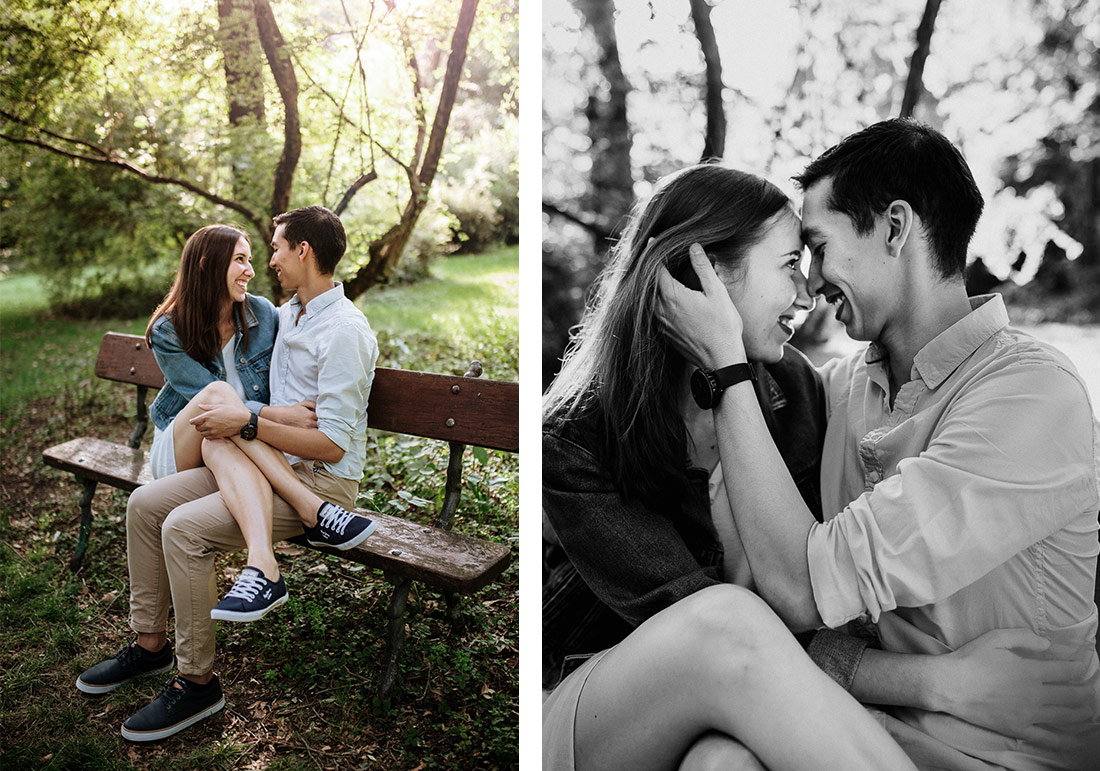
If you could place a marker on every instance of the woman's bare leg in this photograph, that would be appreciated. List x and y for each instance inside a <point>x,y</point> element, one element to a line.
<point>721,660</point>
<point>247,495</point>
<point>275,467</point>
<point>271,462</point>
<point>717,752</point>
<point>186,441</point>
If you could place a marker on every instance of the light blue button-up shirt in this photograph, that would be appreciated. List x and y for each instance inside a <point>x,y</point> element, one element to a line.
<point>327,356</point>
<point>969,505</point>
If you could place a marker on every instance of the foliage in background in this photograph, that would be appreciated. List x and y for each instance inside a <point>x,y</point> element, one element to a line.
<point>148,88</point>
<point>1015,84</point>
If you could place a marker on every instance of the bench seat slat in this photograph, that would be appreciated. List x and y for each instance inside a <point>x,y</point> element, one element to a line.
<point>446,560</point>
<point>101,461</point>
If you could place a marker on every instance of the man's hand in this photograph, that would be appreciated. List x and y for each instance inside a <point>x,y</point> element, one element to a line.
<point>301,415</point>
<point>220,420</point>
<point>703,326</point>
<point>1010,680</point>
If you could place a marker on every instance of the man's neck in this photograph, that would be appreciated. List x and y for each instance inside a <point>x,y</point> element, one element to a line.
<point>314,286</point>
<point>927,314</point>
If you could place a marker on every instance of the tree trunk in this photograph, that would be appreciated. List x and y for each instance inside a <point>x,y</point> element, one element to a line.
<point>386,250</point>
<point>714,144</point>
<point>243,60</point>
<point>611,179</point>
<point>914,84</point>
<point>278,59</point>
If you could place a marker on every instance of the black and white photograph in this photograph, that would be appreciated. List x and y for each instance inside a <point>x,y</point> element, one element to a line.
<point>820,367</point>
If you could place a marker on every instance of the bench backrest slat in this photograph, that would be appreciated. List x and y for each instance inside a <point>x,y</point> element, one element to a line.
<point>480,412</point>
<point>127,359</point>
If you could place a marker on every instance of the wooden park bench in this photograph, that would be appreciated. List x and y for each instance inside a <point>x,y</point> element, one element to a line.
<point>458,410</point>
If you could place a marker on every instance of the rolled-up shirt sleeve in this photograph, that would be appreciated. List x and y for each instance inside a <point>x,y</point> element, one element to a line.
<point>345,372</point>
<point>1011,462</point>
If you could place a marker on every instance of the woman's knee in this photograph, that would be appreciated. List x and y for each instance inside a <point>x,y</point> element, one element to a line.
<point>729,615</point>
<point>216,392</point>
<point>715,751</point>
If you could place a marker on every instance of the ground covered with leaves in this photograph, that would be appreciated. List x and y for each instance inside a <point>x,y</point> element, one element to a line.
<point>300,683</point>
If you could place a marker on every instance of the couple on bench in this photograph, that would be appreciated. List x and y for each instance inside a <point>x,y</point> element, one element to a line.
<point>260,434</point>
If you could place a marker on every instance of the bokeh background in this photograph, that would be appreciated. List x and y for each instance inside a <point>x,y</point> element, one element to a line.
<point>635,89</point>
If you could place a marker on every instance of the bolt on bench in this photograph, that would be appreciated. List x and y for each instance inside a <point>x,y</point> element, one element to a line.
<point>458,410</point>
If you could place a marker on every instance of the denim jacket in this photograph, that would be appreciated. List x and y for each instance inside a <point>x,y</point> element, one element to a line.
<point>184,376</point>
<point>610,564</point>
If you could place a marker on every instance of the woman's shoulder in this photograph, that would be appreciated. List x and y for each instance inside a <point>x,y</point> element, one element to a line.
<point>261,305</point>
<point>162,329</point>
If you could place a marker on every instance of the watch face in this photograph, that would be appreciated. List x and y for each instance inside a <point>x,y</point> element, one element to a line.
<point>702,389</point>
<point>248,431</point>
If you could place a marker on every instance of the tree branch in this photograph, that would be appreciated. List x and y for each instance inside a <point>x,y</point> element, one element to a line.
<point>106,159</point>
<point>596,230</point>
<point>275,49</point>
<point>914,84</point>
<point>714,144</point>
<point>455,61</point>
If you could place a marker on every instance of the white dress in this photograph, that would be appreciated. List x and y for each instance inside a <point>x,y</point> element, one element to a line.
<point>162,455</point>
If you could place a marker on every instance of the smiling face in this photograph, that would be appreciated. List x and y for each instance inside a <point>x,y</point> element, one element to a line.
<point>284,259</point>
<point>849,269</point>
<point>768,288</point>
<point>240,270</point>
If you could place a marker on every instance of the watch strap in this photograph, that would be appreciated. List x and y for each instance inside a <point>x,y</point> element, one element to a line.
<point>734,374</point>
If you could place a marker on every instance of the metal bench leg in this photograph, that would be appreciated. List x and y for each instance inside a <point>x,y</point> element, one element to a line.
<point>454,611</point>
<point>85,523</point>
<point>396,638</point>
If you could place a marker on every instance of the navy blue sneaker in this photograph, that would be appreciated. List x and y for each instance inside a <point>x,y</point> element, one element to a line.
<point>131,661</point>
<point>339,528</point>
<point>181,704</point>
<point>251,597</point>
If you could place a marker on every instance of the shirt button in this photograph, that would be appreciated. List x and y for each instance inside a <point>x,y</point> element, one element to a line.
<point>255,388</point>
<point>242,360</point>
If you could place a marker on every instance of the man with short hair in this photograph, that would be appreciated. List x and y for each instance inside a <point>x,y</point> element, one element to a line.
<point>960,472</point>
<point>325,353</point>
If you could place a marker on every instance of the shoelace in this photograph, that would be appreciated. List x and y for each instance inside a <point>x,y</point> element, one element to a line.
<point>128,655</point>
<point>336,519</point>
<point>170,693</point>
<point>247,586</point>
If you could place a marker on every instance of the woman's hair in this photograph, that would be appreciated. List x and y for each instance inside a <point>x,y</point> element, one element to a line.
<point>196,298</point>
<point>619,368</point>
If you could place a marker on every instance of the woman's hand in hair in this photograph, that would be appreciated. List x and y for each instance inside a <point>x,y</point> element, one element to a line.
<point>703,326</point>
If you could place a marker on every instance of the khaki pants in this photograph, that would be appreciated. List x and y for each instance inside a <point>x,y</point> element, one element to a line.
<point>174,528</point>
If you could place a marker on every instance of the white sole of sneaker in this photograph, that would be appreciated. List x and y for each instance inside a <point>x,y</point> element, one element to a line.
<point>348,544</point>
<point>96,690</point>
<point>164,733</point>
<point>255,615</point>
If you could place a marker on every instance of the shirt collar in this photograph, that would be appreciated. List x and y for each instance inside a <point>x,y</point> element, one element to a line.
<point>321,301</point>
<point>945,352</point>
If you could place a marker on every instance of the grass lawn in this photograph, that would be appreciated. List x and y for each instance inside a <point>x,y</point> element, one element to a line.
<point>299,684</point>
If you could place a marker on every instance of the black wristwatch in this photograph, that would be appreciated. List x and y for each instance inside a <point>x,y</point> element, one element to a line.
<point>707,385</point>
<point>248,430</point>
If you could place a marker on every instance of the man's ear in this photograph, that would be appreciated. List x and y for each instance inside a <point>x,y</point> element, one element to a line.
<point>899,224</point>
<point>303,249</point>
